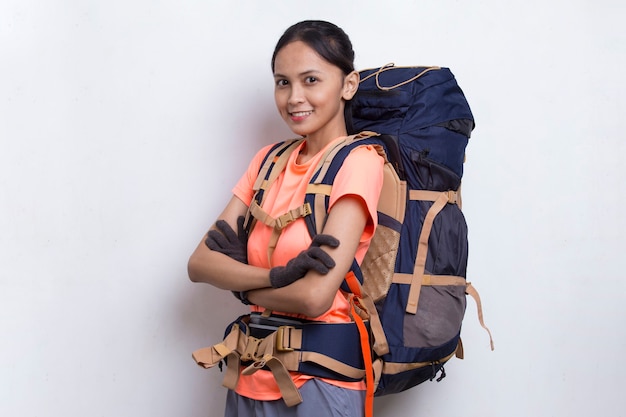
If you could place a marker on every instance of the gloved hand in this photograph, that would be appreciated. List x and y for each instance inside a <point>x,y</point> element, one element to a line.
<point>313,258</point>
<point>223,239</point>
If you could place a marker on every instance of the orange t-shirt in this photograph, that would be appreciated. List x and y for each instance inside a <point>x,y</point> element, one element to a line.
<point>360,176</point>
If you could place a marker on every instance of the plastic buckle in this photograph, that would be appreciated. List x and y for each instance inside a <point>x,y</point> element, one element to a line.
<point>284,220</point>
<point>283,333</point>
<point>292,215</point>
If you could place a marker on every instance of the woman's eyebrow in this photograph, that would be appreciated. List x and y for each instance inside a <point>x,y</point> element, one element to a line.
<point>303,73</point>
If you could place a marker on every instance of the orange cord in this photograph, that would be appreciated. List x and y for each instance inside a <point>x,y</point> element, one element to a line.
<point>354,286</point>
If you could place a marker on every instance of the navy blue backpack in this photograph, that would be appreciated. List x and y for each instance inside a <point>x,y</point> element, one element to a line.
<point>422,304</point>
<point>412,283</point>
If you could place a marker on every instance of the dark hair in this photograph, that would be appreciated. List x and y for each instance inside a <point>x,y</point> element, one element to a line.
<point>325,38</point>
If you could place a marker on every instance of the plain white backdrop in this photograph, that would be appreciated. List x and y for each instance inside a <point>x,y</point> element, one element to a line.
<point>124,125</point>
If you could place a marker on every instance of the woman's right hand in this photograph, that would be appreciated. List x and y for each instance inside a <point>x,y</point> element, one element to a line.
<point>313,258</point>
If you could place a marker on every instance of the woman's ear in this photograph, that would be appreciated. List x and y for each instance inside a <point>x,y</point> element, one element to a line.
<point>350,85</point>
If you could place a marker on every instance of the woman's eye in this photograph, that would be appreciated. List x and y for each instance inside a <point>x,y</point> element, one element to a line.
<point>281,83</point>
<point>311,80</point>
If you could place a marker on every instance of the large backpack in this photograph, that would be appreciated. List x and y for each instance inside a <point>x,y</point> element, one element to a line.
<point>408,295</point>
<point>421,306</point>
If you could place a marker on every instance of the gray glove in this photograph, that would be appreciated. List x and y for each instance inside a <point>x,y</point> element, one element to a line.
<point>223,239</point>
<point>313,258</point>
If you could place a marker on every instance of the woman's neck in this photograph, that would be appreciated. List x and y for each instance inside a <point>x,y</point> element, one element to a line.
<point>318,141</point>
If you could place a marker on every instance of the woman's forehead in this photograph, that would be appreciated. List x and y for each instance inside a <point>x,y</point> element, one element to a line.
<point>299,58</point>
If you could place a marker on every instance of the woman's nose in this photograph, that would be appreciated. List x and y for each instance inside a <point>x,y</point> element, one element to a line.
<point>296,95</point>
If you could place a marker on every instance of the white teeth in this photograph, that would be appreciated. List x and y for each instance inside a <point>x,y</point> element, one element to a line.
<point>301,113</point>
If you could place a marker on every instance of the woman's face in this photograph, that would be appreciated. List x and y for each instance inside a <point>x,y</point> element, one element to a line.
<point>309,92</point>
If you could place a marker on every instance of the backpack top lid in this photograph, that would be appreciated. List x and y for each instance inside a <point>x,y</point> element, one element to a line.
<point>409,98</point>
<point>422,107</point>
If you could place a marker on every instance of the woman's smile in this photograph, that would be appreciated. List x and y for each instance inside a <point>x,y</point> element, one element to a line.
<point>300,115</point>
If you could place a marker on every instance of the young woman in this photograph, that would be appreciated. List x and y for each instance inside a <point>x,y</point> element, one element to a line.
<point>314,77</point>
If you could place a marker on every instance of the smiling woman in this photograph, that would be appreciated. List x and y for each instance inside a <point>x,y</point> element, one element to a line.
<point>310,94</point>
<point>283,272</point>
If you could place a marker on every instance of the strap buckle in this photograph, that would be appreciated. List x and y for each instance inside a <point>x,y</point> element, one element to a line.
<point>453,196</point>
<point>283,338</point>
<point>292,215</point>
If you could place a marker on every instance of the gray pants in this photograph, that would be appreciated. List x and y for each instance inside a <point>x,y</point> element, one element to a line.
<point>319,400</point>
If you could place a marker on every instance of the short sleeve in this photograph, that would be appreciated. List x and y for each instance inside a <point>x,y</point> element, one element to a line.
<point>361,175</point>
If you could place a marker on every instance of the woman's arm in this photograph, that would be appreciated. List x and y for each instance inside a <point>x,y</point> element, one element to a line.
<point>218,269</point>
<point>313,295</point>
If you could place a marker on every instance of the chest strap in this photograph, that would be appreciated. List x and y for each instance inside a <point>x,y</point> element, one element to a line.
<point>277,224</point>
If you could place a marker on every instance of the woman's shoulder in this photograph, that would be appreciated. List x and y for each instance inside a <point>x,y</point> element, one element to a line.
<point>366,163</point>
<point>366,155</point>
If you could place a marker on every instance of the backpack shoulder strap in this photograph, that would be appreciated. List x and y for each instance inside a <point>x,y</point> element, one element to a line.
<point>315,207</point>
<point>273,164</point>
<point>392,203</point>
<point>320,186</point>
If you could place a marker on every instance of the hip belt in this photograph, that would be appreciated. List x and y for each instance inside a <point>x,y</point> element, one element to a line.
<point>282,344</point>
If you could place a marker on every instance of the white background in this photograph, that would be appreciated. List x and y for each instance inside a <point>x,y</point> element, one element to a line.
<point>124,125</point>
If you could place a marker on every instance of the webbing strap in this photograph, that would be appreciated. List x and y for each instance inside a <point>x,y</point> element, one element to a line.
<point>259,214</point>
<point>231,376</point>
<point>470,290</point>
<point>319,212</point>
<point>459,353</point>
<point>324,189</point>
<point>229,348</point>
<point>289,338</point>
<point>320,192</point>
<point>275,162</point>
<point>327,158</point>
<point>399,278</point>
<point>453,196</point>
<point>378,371</point>
<point>287,387</point>
<point>381,346</point>
<point>211,356</point>
<point>392,368</point>
<point>280,222</point>
<point>335,365</point>
<point>422,248</point>
<point>427,279</point>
